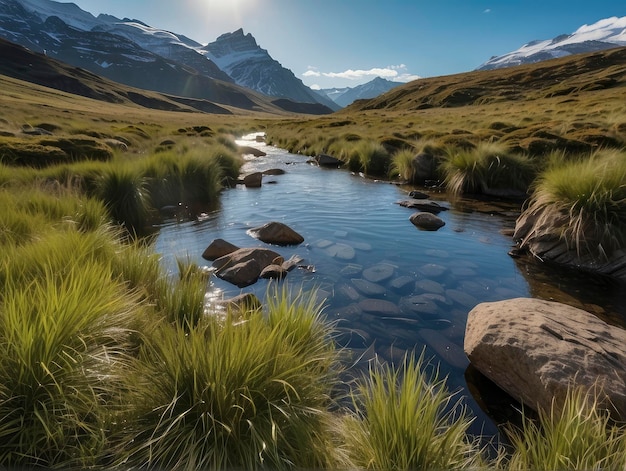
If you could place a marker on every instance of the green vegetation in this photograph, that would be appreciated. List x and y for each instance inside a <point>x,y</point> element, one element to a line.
<point>579,435</point>
<point>405,420</point>
<point>588,197</point>
<point>489,167</point>
<point>105,360</point>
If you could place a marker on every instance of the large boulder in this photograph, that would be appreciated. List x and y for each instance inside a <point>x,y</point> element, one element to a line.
<point>244,266</point>
<point>276,233</point>
<point>535,350</point>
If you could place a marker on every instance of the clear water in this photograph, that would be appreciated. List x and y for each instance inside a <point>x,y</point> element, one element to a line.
<point>355,231</point>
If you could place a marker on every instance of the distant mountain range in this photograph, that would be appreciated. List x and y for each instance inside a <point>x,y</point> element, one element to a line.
<point>348,95</point>
<point>233,71</point>
<point>604,34</point>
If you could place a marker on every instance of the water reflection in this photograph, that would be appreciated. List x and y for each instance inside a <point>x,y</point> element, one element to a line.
<point>391,288</point>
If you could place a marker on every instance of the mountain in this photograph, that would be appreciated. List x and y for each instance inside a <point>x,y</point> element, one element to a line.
<point>604,34</point>
<point>566,78</point>
<point>250,66</point>
<point>346,96</point>
<point>127,51</point>
<point>23,64</point>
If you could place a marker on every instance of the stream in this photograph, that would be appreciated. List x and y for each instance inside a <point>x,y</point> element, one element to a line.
<point>390,287</point>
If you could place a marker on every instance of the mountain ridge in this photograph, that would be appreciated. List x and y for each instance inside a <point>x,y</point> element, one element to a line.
<point>604,34</point>
<point>167,62</point>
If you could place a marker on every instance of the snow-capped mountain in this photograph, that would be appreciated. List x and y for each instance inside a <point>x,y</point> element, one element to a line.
<point>132,52</point>
<point>240,56</point>
<point>346,96</point>
<point>604,34</point>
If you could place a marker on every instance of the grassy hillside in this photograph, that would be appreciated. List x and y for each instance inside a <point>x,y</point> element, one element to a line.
<point>574,104</point>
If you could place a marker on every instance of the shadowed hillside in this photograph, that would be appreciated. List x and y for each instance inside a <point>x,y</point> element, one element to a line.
<point>23,64</point>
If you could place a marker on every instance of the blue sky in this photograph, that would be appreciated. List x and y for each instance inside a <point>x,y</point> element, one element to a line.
<point>329,43</point>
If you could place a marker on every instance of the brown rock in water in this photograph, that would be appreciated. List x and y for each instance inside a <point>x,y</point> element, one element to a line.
<point>244,302</point>
<point>241,274</point>
<point>218,248</point>
<point>276,233</point>
<point>243,267</point>
<point>274,272</point>
<point>249,150</point>
<point>535,350</point>
<point>325,160</point>
<point>253,180</point>
<point>426,221</point>
<point>423,205</point>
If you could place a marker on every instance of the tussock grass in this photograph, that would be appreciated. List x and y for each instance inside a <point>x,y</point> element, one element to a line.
<point>125,195</point>
<point>488,167</point>
<point>223,394</point>
<point>62,340</point>
<point>402,165</point>
<point>589,195</point>
<point>405,420</point>
<point>371,157</point>
<point>578,435</point>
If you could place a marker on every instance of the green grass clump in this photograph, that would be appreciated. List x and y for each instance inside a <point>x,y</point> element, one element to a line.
<point>62,338</point>
<point>578,436</point>
<point>406,421</point>
<point>369,157</point>
<point>589,196</point>
<point>124,191</point>
<point>402,165</point>
<point>227,394</point>
<point>487,168</point>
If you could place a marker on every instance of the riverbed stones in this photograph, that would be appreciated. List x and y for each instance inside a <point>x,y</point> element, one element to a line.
<point>276,233</point>
<point>341,251</point>
<point>379,273</point>
<point>218,248</point>
<point>368,288</point>
<point>430,286</point>
<point>535,350</point>
<point>402,284</point>
<point>244,302</point>
<point>379,307</point>
<point>432,270</point>
<point>464,299</point>
<point>419,304</point>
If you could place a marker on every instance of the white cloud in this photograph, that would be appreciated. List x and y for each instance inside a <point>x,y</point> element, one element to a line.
<point>488,10</point>
<point>315,87</point>
<point>396,73</point>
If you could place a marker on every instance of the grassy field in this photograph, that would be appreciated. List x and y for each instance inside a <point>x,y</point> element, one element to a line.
<point>108,361</point>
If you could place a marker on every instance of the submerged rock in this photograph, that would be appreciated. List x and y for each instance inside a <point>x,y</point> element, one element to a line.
<point>535,350</point>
